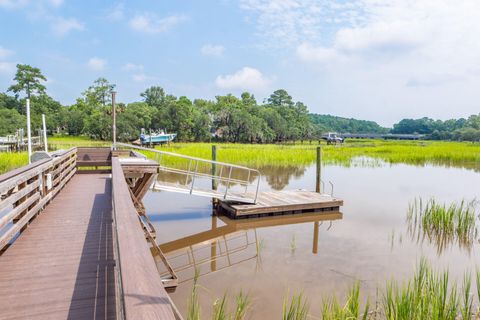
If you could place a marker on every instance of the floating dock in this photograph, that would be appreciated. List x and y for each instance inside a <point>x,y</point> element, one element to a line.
<point>275,203</point>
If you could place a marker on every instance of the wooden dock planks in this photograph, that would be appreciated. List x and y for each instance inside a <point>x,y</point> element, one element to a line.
<point>282,202</point>
<point>62,266</point>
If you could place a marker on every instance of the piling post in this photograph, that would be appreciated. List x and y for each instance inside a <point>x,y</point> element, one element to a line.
<point>319,169</point>
<point>29,134</point>
<point>45,143</point>
<point>316,226</point>
<point>213,247</point>
<point>214,167</point>
<point>114,121</point>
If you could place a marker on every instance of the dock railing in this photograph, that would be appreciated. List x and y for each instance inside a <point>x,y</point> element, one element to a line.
<point>25,191</point>
<point>139,285</point>
<point>192,175</point>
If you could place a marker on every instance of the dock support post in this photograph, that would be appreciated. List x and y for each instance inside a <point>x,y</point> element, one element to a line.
<point>213,247</point>
<point>319,169</point>
<point>45,143</point>
<point>214,167</point>
<point>114,121</point>
<point>214,173</point>
<point>316,226</point>
<point>29,134</point>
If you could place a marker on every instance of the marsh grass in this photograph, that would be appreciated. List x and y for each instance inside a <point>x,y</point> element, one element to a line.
<point>353,153</point>
<point>350,309</point>
<point>296,309</point>
<point>443,224</point>
<point>410,152</point>
<point>293,244</point>
<point>220,306</point>
<point>428,295</point>
<point>12,160</point>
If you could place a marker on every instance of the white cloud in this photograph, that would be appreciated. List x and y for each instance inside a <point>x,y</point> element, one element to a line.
<point>140,77</point>
<point>97,64</point>
<point>56,3</point>
<point>212,50</point>
<point>246,79</point>
<point>62,26</point>
<point>7,67</point>
<point>132,67</point>
<point>13,4</point>
<point>4,53</point>
<point>116,13</point>
<point>150,23</point>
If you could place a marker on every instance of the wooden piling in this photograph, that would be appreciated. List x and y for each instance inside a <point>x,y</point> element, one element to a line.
<point>319,169</point>
<point>214,167</point>
<point>316,226</point>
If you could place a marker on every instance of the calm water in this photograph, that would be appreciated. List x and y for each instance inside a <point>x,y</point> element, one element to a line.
<point>370,243</point>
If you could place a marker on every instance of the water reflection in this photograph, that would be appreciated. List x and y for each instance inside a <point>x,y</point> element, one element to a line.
<point>276,177</point>
<point>232,243</point>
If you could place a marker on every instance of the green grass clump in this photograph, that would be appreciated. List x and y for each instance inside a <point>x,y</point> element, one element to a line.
<point>297,309</point>
<point>12,160</point>
<point>333,310</point>
<point>430,295</point>
<point>443,224</point>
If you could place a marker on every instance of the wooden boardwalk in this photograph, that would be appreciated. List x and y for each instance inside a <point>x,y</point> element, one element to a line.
<point>62,265</point>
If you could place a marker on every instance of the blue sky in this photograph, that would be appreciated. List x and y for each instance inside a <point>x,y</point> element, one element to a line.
<point>379,60</point>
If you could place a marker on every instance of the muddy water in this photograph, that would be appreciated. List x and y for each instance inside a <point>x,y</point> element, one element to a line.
<point>369,243</point>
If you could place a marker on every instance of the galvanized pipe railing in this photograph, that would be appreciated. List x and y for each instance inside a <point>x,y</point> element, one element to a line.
<point>193,172</point>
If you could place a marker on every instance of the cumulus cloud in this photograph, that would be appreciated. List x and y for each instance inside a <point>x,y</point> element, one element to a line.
<point>7,67</point>
<point>429,38</point>
<point>246,78</point>
<point>62,26</point>
<point>97,64</point>
<point>13,4</point>
<point>56,3</point>
<point>150,23</point>
<point>116,13</point>
<point>4,53</point>
<point>132,67</point>
<point>212,50</point>
<point>140,77</point>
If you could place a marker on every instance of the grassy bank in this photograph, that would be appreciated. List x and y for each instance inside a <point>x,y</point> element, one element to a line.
<point>260,155</point>
<point>409,152</point>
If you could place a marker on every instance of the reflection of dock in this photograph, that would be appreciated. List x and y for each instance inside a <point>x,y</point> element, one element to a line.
<point>275,203</point>
<point>230,244</point>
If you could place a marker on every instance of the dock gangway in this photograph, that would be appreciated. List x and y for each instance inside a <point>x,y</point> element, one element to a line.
<point>196,176</point>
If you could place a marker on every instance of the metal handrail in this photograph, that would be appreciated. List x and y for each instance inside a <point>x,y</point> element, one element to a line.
<point>193,171</point>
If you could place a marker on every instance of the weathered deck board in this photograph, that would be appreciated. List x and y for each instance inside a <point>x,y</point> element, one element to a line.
<point>62,266</point>
<point>278,202</point>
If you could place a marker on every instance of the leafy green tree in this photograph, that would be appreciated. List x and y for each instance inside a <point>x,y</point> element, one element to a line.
<point>28,79</point>
<point>10,121</point>
<point>99,93</point>
<point>154,96</point>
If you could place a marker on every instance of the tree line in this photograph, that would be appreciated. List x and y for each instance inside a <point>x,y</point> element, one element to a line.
<point>226,118</point>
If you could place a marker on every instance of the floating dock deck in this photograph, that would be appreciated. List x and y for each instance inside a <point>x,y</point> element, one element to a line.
<point>275,203</point>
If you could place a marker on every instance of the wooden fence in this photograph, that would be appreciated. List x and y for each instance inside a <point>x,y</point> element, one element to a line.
<point>24,192</point>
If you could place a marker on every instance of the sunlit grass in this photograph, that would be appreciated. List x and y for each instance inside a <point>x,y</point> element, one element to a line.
<point>352,153</point>
<point>350,309</point>
<point>66,142</point>
<point>409,152</point>
<point>12,160</point>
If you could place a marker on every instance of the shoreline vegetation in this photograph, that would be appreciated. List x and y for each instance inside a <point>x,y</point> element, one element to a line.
<point>354,152</point>
<point>428,294</point>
